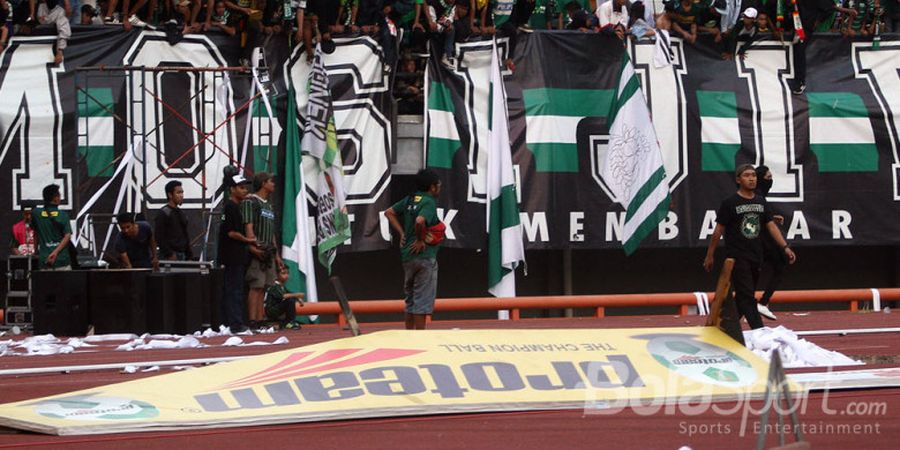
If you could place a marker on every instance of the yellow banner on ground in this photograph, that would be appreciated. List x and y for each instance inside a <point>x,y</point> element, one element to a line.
<point>402,373</point>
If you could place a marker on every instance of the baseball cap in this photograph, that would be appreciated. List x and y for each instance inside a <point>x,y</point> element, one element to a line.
<point>239,179</point>
<point>750,13</point>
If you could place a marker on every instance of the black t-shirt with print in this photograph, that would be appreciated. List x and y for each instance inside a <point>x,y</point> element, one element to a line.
<point>744,221</point>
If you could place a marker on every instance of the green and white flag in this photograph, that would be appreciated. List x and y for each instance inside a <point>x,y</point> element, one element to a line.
<point>320,143</point>
<point>633,168</point>
<point>505,242</point>
<point>96,130</point>
<point>296,250</point>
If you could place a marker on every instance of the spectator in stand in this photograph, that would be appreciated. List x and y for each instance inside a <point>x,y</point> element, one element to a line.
<point>403,13</point>
<point>188,11</point>
<point>613,18</point>
<point>500,11</point>
<point>521,12</point>
<point>811,13</point>
<point>439,15</point>
<point>5,23</point>
<point>136,245</point>
<point>370,15</point>
<point>222,19</point>
<point>685,20</point>
<point>579,19</point>
<point>317,17</point>
<point>640,21</point>
<point>859,24</point>
<point>89,16</point>
<point>409,88</point>
<point>481,21</point>
<point>543,15</point>
<point>763,23</point>
<point>129,15</point>
<point>57,12</point>
<point>745,35</point>
<point>347,14</point>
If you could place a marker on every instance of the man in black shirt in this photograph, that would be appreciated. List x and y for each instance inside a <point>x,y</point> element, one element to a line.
<point>742,218</point>
<point>136,245</point>
<point>170,226</point>
<point>233,253</point>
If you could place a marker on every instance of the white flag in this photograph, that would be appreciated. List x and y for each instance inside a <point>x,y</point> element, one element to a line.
<point>505,247</point>
<point>633,168</point>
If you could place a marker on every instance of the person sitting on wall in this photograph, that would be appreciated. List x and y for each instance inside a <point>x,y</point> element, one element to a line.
<point>136,245</point>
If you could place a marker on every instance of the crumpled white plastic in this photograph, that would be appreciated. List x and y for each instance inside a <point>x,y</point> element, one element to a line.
<point>795,351</point>
<point>233,341</point>
<point>110,337</point>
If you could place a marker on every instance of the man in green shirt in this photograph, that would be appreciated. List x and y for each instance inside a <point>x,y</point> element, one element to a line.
<point>419,244</point>
<point>53,231</point>
<point>258,217</point>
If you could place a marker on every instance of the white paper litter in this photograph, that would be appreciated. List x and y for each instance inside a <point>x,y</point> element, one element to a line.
<point>795,351</point>
<point>182,367</point>
<point>129,369</point>
<point>78,343</point>
<point>280,341</point>
<point>233,341</point>
<point>111,337</point>
<point>151,369</point>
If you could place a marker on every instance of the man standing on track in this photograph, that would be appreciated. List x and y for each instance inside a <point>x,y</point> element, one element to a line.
<point>420,235</point>
<point>742,218</point>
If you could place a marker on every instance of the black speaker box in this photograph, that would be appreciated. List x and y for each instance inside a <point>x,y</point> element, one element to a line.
<point>60,302</point>
<point>118,300</point>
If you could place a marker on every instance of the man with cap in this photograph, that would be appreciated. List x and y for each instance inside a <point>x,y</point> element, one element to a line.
<point>742,218</point>
<point>233,254</point>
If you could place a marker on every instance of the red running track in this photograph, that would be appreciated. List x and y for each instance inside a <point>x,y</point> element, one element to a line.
<point>835,420</point>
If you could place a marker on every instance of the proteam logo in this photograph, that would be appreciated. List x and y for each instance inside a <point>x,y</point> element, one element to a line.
<point>95,407</point>
<point>699,361</point>
<point>309,377</point>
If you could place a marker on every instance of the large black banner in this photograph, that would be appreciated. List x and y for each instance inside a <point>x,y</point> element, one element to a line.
<point>112,129</point>
<point>832,151</point>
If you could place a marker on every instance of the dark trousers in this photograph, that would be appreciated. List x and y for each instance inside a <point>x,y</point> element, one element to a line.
<point>233,296</point>
<point>800,61</point>
<point>774,262</point>
<point>743,281</point>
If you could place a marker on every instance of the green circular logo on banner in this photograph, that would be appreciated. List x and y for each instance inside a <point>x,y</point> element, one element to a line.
<point>700,361</point>
<point>95,408</point>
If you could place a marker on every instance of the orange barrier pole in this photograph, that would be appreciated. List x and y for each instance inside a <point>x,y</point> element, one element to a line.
<point>596,302</point>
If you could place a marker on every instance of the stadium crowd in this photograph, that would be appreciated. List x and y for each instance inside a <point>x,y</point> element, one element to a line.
<point>449,21</point>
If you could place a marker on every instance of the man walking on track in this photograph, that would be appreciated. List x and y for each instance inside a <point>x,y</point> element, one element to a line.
<point>420,236</point>
<point>742,218</point>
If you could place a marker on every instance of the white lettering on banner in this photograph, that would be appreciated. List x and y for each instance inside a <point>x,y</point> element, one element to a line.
<point>575,226</point>
<point>350,218</point>
<point>662,89</point>
<point>447,217</point>
<point>474,69</point>
<point>363,132</point>
<point>615,222</point>
<point>384,227</point>
<point>210,105</point>
<point>879,68</point>
<point>773,118</point>
<point>840,224</point>
<point>535,224</point>
<point>708,226</point>
<point>31,111</point>
<point>668,228</point>
<point>798,227</point>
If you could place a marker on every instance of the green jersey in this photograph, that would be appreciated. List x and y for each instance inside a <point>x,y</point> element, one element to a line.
<point>407,210</point>
<point>51,225</point>
<point>259,212</point>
